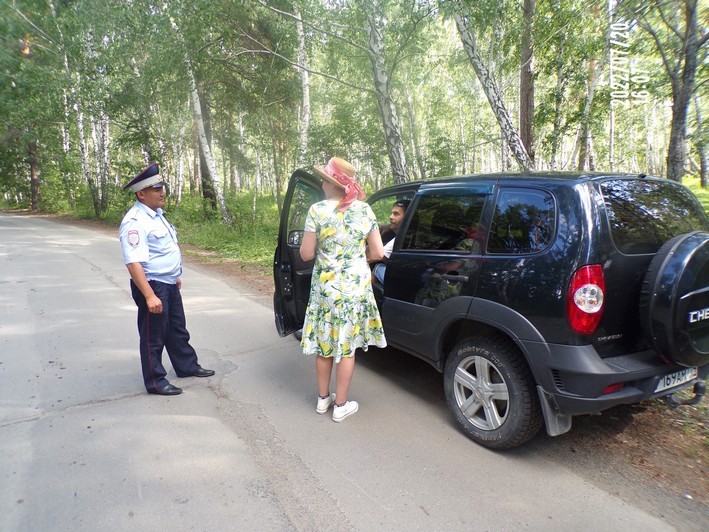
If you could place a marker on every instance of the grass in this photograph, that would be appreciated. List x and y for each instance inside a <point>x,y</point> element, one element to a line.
<point>694,418</point>
<point>702,193</point>
<point>251,239</point>
<point>252,244</point>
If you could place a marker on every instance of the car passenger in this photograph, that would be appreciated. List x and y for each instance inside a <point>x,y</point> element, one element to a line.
<point>395,218</point>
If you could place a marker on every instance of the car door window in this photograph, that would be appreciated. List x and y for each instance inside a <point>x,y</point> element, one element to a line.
<point>303,197</point>
<point>523,222</point>
<point>382,209</point>
<point>446,222</point>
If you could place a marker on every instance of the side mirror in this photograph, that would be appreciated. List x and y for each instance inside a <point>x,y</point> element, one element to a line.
<point>295,237</point>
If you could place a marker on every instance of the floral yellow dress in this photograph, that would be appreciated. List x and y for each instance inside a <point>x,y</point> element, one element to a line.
<point>342,314</point>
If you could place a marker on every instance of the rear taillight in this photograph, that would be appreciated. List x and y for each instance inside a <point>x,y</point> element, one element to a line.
<point>584,300</point>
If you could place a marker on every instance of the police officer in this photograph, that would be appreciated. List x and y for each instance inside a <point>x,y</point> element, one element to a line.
<point>153,258</point>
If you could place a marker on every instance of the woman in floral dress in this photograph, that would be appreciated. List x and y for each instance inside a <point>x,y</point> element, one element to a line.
<point>342,314</point>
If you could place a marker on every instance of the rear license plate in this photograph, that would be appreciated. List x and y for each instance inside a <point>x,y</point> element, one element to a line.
<point>676,378</point>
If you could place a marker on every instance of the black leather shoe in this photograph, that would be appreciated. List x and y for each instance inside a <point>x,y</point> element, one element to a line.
<point>167,390</point>
<point>201,372</point>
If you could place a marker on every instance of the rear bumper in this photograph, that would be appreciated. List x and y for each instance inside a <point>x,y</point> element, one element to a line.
<point>574,378</point>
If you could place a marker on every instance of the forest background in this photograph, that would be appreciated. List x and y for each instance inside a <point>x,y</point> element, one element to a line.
<point>231,96</point>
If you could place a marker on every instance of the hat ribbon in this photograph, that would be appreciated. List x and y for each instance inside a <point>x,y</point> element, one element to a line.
<point>352,189</point>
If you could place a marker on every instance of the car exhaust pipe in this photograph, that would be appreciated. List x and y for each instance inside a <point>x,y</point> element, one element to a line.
<point>699,391</point>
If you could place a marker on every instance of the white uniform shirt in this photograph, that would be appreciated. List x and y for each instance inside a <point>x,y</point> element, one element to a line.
<point>147,237</point>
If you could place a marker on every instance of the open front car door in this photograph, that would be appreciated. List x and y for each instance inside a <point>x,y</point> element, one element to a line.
<point>291,275</point>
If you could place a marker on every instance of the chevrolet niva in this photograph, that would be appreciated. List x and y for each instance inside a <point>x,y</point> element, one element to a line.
<point>539,296</point>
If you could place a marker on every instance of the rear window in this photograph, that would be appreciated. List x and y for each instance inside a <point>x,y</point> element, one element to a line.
<point>644,214</point>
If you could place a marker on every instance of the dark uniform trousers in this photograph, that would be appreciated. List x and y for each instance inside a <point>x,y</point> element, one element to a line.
<point>166,330</point>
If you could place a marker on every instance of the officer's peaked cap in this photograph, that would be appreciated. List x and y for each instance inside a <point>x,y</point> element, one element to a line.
<point>150,177</point>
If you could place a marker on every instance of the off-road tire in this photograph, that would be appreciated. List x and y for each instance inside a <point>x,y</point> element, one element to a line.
<point>505,412</point>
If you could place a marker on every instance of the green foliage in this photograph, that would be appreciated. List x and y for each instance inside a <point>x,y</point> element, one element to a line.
<point>125,68</point>
<point>252,239</point>
<point>30,94</point>
<point>121,201</point>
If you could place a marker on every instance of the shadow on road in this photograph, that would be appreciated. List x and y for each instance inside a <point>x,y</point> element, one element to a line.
<point>406,371</point>
<point>420,378</point>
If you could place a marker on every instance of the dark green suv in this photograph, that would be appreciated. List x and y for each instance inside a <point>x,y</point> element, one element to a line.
<point>539,296</point>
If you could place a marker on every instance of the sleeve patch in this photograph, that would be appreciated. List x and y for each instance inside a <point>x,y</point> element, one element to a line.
<point>133,238</point>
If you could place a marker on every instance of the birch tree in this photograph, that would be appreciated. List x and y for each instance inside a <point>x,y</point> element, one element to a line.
<point>204,145</point>
<point>583,142</point>
<point>382,89</point>
<point>66,136</point>
<point>526,78</point>
<point>381,79</point>
<point>304,122</point>
<point>702,135</point>
<point>680,41</point>
<point>494,97</point>
<point>99,122</point>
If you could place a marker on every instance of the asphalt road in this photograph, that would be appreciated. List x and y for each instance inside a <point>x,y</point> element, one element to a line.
<point>83,447</point>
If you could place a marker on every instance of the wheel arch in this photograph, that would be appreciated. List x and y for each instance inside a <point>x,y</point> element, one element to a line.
<point>487,318</point>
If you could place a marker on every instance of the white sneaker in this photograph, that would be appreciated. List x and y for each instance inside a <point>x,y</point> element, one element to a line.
<point>324,404</point>
<point>341,412</point>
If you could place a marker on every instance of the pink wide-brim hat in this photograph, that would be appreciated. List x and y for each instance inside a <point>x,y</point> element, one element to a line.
<point>336,171</point>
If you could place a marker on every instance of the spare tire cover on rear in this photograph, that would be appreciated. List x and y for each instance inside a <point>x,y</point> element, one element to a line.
<point>674,303</point>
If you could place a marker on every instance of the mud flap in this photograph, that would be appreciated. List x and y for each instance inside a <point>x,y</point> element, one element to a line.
<point>556,423</point>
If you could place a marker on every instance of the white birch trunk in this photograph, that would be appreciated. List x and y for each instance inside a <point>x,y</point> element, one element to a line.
<point>493,96</point>
<point>206,149</point>
<point>66,101</point>
<point>202,135</point>
<point>464,148</point>
<point>415,141</point>
<point>558,98</point>
<point>66,145</point>
<point>382,88</point>
<point>583,144</point>
<point>526,78</point>
<point>701,141</point>
<point>85,163</point>
<point>241,179</point>
<point>257,185</point>
<point>304,125</point>
<point>100,134</point>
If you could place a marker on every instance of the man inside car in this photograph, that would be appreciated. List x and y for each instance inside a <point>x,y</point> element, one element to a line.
<point>398,210</point>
